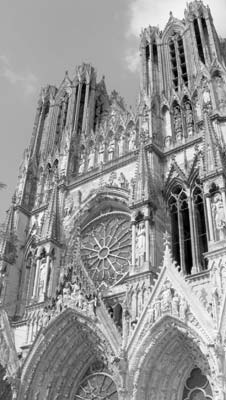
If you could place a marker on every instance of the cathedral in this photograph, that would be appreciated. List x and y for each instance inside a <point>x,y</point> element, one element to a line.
<point>113,260</point>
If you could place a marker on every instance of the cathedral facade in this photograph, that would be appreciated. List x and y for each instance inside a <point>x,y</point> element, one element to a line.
<point>113,263</point>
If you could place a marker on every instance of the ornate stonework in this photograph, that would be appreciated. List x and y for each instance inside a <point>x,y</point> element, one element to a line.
<point>113,263</point>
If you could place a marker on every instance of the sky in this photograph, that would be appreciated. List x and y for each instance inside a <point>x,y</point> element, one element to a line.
<point>40,40</point>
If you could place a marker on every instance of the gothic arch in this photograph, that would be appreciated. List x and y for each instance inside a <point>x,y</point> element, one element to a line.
<point>50,374</point>
<point>176,349</point>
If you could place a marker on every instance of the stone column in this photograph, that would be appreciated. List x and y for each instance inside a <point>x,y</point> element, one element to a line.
<point>181,238</point>
<point>84,119</point>
<point>133,243</point>
<point>194,241</point>
<point>147,235</point>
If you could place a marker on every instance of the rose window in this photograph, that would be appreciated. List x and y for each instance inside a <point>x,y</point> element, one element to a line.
<point>106,248</point>
<point>98,386</point>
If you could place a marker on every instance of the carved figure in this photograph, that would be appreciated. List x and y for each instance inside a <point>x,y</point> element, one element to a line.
<point>198,110</point>
<point>132,141</point>
<point>188,114</point>
<point>122,180</point>
<point>206,94</point>
<point>219,84</point>
<point>141,243</point>
<point>175,305</point>
<point>166,298</point>
<point>42,280</point>
<point>91,158</point>
<point>219,215</point>
<point>168,124</point>
<point>177,120</point>
<point>101,153</point>
<point>82,162</point>
<point>111,149</point>
<point>121,146</point>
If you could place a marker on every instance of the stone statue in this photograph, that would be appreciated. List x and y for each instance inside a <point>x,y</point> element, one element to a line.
<point>82,162</point>
<point>166,298</point>
<point>132,141</point>
<point>168,131</point>
<point>91,158</point>
<point>206,94</point>
<point>188,114</point>
<point>141,243</point>
<point>121,146</point>
<point>219,85</point>
<point>219,215</point>
<point>198,110</point>
<point>101,153</point>
<point>111,149</point>
<point>122,180</point>
<point>177,120</point>
<point>42,280</point>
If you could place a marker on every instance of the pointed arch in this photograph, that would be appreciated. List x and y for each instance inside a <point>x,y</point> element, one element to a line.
<point>164,359</point>
<point>84,344</point>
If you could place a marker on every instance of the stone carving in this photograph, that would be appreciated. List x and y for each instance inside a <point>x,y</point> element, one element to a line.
<point>140,243</point>
<point>219,216</point>
<point>219,86</point>
<point>42,280</point>
<point>121,145</point>
<point>82,162</point>
<point>101,153</point>
<point>206,94</point>
<point>122,180</point>
<point>177,122</point>
<point>111,149</point>
<point>91,158</point>
<point>132,141</point>
<point>188,114</point>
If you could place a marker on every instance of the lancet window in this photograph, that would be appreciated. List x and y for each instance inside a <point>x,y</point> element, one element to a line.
<point>188,228</point>
<point>178,61</point>
<point>199,41</point>
<point>147,58</point>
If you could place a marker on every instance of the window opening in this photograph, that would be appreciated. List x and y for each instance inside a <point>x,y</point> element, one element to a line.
<point>200,224</point>
<point>180,224</point>
<point>147,56</point>
<point>206,35</point>
<point>183,67</point>
<point>173,64</point>
<point>81,108</point>
<point>199,41</point>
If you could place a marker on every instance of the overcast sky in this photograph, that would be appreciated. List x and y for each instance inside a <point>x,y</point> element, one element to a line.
<point>41,39</point>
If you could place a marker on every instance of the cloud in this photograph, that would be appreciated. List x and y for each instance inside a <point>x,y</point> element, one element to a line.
<point>27,81</point>
<point>132,59</point>
<point>142,13</point>
<point>156,12</point>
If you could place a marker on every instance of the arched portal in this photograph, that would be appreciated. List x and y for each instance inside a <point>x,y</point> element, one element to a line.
<point>69,355</point>
<point>170,354</point>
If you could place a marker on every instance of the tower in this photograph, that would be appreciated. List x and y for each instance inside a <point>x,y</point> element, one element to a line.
<point>113,261</point>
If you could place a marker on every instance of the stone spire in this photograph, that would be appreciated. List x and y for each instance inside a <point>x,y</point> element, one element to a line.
<point>8,245</point>
<point>50,229</point>
<point>143,191</point>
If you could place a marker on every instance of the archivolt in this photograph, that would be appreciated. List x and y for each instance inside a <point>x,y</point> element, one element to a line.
<point>169,351</point>
<point>60,357</point>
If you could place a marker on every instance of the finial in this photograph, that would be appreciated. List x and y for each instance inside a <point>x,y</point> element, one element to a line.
<point>166,239</point>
